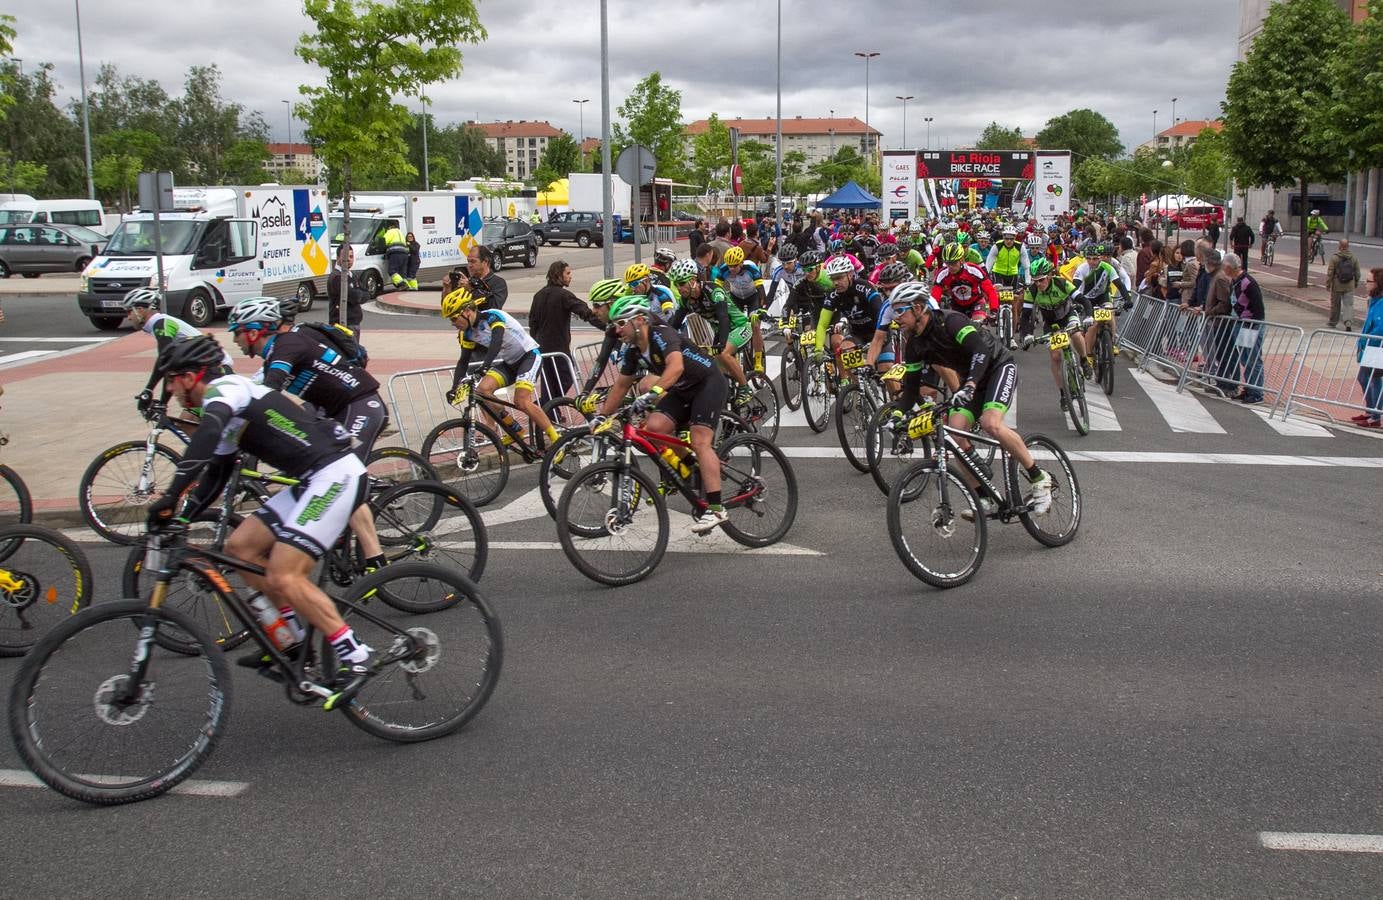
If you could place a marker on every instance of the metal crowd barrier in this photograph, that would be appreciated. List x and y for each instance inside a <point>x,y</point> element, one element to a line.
<point>1174,339</point>
<point>1136,327</point>
<point>1336,373</point>
<point>1260,357</point>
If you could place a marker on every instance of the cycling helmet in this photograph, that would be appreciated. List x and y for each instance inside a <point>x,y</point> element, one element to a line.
<point>141,297</point>
<point>811,259</point>
<point>836,245</point>
<point>288,309</point>
<point>458,300</point>
<point>1010,231</point>
<point>191,355</point>
<point>887,250</point>
<point>664,257</point>
<point>894,273</point>
<point>607,290</point>
<point>1034,240</point>
<point>636,273</point>
<point>908,293</point>
<point>733,257</point>
<point>839,265</point>
<point>254,312</point>
<point>629,305</point>
<point>683,270</point>
<point>952,253</point>
<point>1315,212</point>
<point>787,253</point>
<point>1041,268</point>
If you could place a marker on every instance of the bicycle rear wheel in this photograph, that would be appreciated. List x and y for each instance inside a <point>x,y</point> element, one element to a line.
<point>388,466</point>
<point>16,505</point>
<point>761,412</point>
<point>429,522</point>
<point>470,457</point>
<point>44,579</point>
<point>564,415</point>
<point>790,378</point>
<point>760,490</point>
<point>118,485</point>
<point>606,526</point>
<point>1104,359</point>
<point>816,398</point>
<point>573,451</point>
<point>87,735</point>
<point>1059,525</point>
<point>444,666</point>
<point>854,413</point>
<point>1076,406</point>
<point>928,531</point>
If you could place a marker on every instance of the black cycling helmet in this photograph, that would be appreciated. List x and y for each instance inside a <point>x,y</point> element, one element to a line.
<point>886,249</point>
<point>288,309</point>
<point>811,259</point>
<point>894,273</point>
<point>787,253</point>
<point>190,355</point>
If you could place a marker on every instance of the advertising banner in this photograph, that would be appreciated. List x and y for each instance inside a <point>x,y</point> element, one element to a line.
<point>975,164</point>
<point>899,184</point>
<point>1051,185</point>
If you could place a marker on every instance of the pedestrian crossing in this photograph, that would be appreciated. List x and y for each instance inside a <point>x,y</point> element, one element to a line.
<point>27,356</point>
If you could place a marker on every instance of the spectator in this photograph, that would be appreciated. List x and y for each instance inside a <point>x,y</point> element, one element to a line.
<point>1154,280</point>
<point>1342,277</point>
<point>1241,239</point>
<point>1245,363</point>
<point>1213,233</point>
<point>1128,259</point>
<point>696,237</point>
<point>415,260</point>
<point>721,242</point>
<point>1146,254</point>
<point>752,247</point>
<point>1217,342</point>
<point>1195,279</point>
<point>549,323</point>
<point>1370,353</point>
<point>355,293</point>
<point>487,286</point>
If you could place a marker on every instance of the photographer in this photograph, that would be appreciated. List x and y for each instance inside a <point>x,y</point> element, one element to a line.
<point>355,293</point>
<point>490,289</point>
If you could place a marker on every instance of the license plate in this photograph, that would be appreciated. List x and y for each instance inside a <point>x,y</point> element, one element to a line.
<point>1061,340</point>
<point>852,359</point>
<point>897,373</point>
<point>808,339</point>
<point>112,304</point>
<point>921,424</point>
<point>1104,315</point>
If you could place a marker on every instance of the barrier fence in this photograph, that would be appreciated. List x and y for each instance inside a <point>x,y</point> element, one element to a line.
<point>1259,357</point>
<point>1339,372</point>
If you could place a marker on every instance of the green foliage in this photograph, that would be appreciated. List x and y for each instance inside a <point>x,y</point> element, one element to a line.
<point>1354,114</point>
<point>120,156</point>
<point>293,175</point>
<point>757,167</point>
<point>7,36</point>
<point>1205,169</point>
<point>244,161</point>
<point>652,115</point>
<point>36,131</point>
<point>710,155</point>
<point>209,127</point>
<point>560,159</point>
<point>1084,132</point>
<point>845,165</point>
<point>1000,137</point>
<point>21,177</point>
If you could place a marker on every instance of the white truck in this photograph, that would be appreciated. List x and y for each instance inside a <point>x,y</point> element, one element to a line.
<point>444,223</point>
<point>220,245</point>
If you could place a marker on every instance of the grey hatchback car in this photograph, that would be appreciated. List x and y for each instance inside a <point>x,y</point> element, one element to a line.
<point>31,250</point>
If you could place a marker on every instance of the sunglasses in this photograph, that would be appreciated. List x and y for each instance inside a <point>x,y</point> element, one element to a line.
<point>627,320</point>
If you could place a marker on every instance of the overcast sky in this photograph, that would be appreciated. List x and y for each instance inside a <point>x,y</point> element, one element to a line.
<point>964,63</point>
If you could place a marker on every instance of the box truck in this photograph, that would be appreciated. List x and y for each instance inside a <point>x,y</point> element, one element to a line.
<point>444,223</point>
<point>219,245</point>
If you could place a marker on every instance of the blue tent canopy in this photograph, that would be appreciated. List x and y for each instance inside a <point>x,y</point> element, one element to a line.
<point>851,196</point>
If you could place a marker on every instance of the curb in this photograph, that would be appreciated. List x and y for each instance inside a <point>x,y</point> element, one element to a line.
<point>1300,302</point>
<point>402,307</point>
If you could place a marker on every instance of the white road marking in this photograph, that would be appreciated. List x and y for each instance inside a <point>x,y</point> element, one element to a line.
<point>1183,412</point>
<point>1321,842</point>
<point>8,358</point>
<point>1102,416</point>
<point>55,340</point>
<point>193,787</point>
<point>702,546</point>
<point>525,506</point>
<point>1151,456</point>
<point>1292,427</point>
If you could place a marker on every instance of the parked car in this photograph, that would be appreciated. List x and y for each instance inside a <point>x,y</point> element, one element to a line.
<point>510,241</point>
<point>32,250</point>
<point>584,228</point>
<point>1198,217</point>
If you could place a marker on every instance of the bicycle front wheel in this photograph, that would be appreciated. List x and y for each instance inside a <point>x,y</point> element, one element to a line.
<point>613,523</point>
<point>1059,524</point>
<point>887,451</point>
<point>88,732</point>
<point>470,457</point>
<point>936,525</point>
<point>816,398</point>
<point>1104,355</point>
<point>119,484</point>
<point>425,521</point>
<point>760,490</point>
<point>573,451</point>
<point>761,412</point>
<point>790,378</point>
<point>44,579</point>
<point>854,412</point>
<point>1076,406</point>
<point>16,504</point>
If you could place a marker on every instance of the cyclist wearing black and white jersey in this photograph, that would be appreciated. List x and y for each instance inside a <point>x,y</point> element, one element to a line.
<point>1097,281</point>
<point>857,302</point>
<point>141,306</point>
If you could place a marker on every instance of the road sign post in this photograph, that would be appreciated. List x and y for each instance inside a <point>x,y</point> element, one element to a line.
<point>156,195</point>
<point>636,165</point>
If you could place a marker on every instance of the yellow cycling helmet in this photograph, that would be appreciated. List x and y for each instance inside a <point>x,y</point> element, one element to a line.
<point>953,253</point>
<point>733,257</point>
<point>636,273</point>
<point>456,301</point>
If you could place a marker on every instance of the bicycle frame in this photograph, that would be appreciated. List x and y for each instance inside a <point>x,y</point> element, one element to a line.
<point>651,444</point>
<point>491,404</point>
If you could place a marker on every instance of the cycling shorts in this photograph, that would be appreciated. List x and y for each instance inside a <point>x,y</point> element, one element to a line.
<point>738,337</point>
<point>364,417</point>
<point>998,391</point>
<point>1064,316</point>
<point>313,514</point>
<point>697,404</point>
<point>521,374</point>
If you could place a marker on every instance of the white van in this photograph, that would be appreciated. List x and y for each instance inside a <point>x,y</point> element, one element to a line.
<point>87,213</point>
<point>443,222</point>
<point>222,244</point>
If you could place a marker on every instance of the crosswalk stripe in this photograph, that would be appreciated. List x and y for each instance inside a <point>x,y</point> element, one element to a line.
<point>1183,412</point>
<point>1102,416</point>
<point>55,340</point>
<point>26,354</point>
<point>1292,427</point>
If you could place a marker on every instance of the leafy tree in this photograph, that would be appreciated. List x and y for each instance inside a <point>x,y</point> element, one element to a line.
<point>1273,111</point>
<point>652,116</point>
<point>1205,168</point>
<point>1000,137</point>
<point>36,131</point>
<point>369,52</point>
<point>1355,113</point>
<point>560,159</point>
<point>757,167</point>
<point>21,177</point>
<point>293,175</point>
<point>1084,132</point>
<point>209,126</point>
<point>244,161</point>
<point>846,164</point>
<point>120,156</point>
<point>710,155</point>
<point>7,36</point>
<point>795,182</point>
<point>475,156</point>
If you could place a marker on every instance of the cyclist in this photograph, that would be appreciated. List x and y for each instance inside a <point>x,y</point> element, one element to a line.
<point>913,258</point>
<point>732,329</point>
<point>140,305</point>
<point>690,390</point>
<point>1008,266</point>
<point>292,531</point>
<point>964,286</point>
<point>1052,295</point>
<point>786,275</point>
<point>1316,231</point>
<point>745,284</point>
<point>837,249</point>
<point>989,380</point>
<point>1095,281</point>
<point>600,296</point>
<point>978,251</point>
<point>1269,230</point>
<point>856,301</point>
<point>881,353</point>
<point>888,253</point>
<point>511,357</point>
<point>638,279</point>
<point>663,258</point>
<point>809,294</point>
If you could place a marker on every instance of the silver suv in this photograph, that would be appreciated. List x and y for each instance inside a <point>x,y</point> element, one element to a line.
<point>584,228</point>
<point>31,250</point>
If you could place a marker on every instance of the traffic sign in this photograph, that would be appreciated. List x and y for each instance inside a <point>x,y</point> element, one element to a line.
<point>736,181</point>
<point>636,165</point>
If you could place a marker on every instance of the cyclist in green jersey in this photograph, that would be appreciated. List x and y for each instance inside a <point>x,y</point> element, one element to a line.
<point>708,300</point>
<point>1053,298</point>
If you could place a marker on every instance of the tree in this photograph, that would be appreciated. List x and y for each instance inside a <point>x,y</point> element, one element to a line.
<point>128,104</point>
<point>369,52</point>
<point>7,36</point>
<point>36,131</point>
<point>244,161</point>
<point>475,156</point>
<point>21,177</point>
<point>1273,121</point>
<point>1001,137</point>
<point>1205,168</point>
<point>710,155</point>
<point>209,127</point>
<point>652,116</point>
<point>293,175</point>
<point>560,159</point>
<point>847,164</point>
<point>1084,132</point>
<point>1355,114</point>
<point>120,156</point>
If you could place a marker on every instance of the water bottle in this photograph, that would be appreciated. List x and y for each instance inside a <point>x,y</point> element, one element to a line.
<point>979,464</point>
<point>273,624</point>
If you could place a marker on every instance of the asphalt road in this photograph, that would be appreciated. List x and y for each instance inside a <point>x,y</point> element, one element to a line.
<point>1122,717</point>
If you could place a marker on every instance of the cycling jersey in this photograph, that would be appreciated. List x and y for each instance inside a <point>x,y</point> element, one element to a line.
<point>952,340</point>
<point>808,295</point>
<point>858,305</point>
<point>1094,283</point>
<point>968,290</point>
<point>662,298</point>
<point>713,306</point>
<point>166,329</point>
<point>913,261</point>
<point>1057,292</point>
<point>789,278</point>
<point>742,285</point>
<point>974,255</point>
<point>500,334</point>
<point>301,365</point>
<point>697,367</point>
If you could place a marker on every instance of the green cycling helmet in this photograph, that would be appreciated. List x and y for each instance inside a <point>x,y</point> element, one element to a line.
<point>629,305</point>
<point>607,290</point>
<point>1041,268</point>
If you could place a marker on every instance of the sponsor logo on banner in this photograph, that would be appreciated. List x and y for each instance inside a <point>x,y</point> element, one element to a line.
<point>1052,187</point>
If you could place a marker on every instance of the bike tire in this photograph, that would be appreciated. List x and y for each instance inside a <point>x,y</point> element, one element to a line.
<point>564,415</point>
<point>790,379</point>
<point>16,503</point>
<point>816,398</point>
<point>1066,500</point>
<point>762,411</point>
<point>916,512</point>
<point>572,452</point>
<point>1104,352</point>
<point>46,578</point>
<point>390,466</point>
<point>121,520</point>
<point>747,469</point>
<point>480,472</point>
<point>438,525</point>
<point>453,673</point>
<point>854,411</point>
<point>597,556</point>
<point>884,463</point>
<point>69,662</point>
<point>1076,407</point>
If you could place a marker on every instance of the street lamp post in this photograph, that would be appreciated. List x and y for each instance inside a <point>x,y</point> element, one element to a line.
<point>905,118</point>
<point>607,202</point>
<point>427,175</point>
<point>928,120</point>
<point>1174,112</point>
<point>288,111</point>
<point>866,55</point>
<point>1154,125</point>
<point>86,117</point>
<point>581,116</point>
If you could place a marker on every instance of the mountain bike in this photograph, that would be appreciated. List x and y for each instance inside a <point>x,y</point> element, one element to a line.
<point>818,383</point>
<point>1003,322</point>
<point>937,521</point>
<point>1317,248</point>
<point>761,410</point>
<point>16,504</point>
<point>122,480</point>
<point>102,713</point>
<point>857,400</point>
<point>1268,251</point>
<point>44,578</point>
<point>1104,348</point>
<point>1073,400</point>
<point>792,375</point>
<point>612,518</point>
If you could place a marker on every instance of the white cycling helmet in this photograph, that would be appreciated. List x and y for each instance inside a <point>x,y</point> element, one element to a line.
<point>141,297</point>
<point>1010,231</point>
<point>683,270</point>
<point>1315,212</point>
<point>908,293</point>
<point>664,257</point>
<point>254,311</point>
<point>839,265</point>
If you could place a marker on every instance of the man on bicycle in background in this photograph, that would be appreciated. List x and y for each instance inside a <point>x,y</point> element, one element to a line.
<point>1008,265</point>
<point>744,283</point>
<point>1316,231</point>
<point>989,381</point>
<point>294,529</point>
<point>601,295</point>
<point>963,286</point>
<point>1269,230</point>
<point>141,306</point>
<point>856,301</point>
<point>732,328</point>
<point>1052,296</point>
<point>638,279</point>
<point>1096,280</point>
<point>663,258</point>
<point>881,351</point>
<point>690,390</point>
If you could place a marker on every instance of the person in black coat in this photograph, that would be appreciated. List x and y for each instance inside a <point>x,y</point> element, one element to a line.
<point>549,323</point>
<point>356,295</point>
